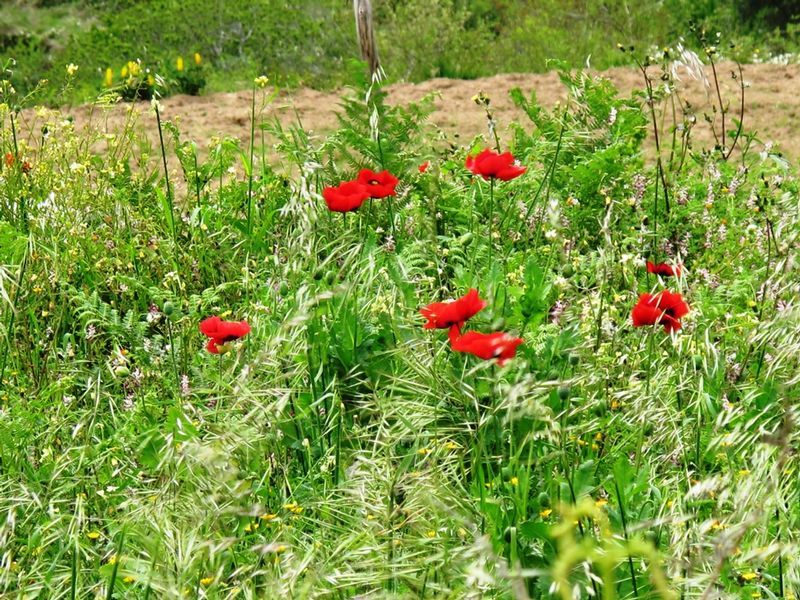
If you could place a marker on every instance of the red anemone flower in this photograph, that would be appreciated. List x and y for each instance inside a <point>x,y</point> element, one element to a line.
<point>489,164</point>
<point>664,269</point>
<point>487,346</point>
<point>380,185</point>
<point>424,166</point>
<point>442,315</point>
<point>345,197</point>
<point>664,308</point>
<point>221,332</point>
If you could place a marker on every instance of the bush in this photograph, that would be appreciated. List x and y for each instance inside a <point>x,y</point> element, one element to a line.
<point>769,13</point>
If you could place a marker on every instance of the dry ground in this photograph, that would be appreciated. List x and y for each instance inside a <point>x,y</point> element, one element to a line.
<point>772,105</point>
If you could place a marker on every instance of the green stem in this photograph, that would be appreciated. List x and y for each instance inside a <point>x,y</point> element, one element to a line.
<point>338,443</point>
<point>250,169</point>
<point>491,222</point>
<point>23,210</point>
<point>780,556</point>
<point>13,316</point>
<point>172,354</point>
<point>625,533</point>
<point>647,393</point>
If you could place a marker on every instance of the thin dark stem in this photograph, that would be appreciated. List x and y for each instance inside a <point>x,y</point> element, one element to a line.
<point>197,189</point>
<point>166,170</point>
<point>741,116</point>
<point>719,98</point>
<point>659,163</point>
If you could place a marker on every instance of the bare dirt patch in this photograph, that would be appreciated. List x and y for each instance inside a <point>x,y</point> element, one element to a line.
<point>772,105</point>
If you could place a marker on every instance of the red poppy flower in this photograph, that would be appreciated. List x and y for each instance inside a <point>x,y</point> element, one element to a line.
<point>26,167</point>
<point>9,159</point>
<point>380,185</point>
<point>664,308</point>
<point>424,166</point>
<point>221,332</point>
<point>664,269</point>
<point>442,315</point>
<point>487,346</point>
<point>345,197</point>
<point>489,164</point>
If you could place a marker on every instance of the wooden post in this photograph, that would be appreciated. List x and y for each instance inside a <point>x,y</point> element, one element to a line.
<point>366,36</point>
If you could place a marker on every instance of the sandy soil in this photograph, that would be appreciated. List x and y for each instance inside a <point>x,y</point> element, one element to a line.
<point>772,105</point>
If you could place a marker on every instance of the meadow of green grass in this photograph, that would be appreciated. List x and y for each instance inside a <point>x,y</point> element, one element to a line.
<point>341,449</point>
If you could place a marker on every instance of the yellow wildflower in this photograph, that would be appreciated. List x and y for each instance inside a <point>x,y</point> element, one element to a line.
<point>179,63</point>
<point>294,508</point>
<point>108,80</point>
<point>261,81</point>
<point>206,581</point>
<point>269,517</point>
<point>93,535</point>
<point>197,58</point>
<point>545,513</point>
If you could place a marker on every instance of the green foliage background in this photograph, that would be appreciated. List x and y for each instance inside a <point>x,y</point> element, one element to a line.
<point>311,42</point>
